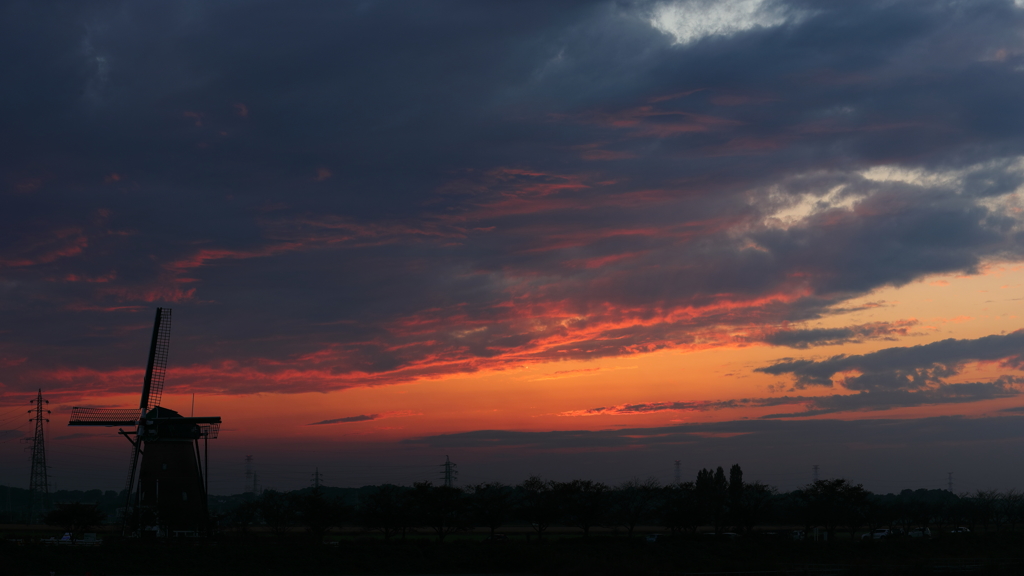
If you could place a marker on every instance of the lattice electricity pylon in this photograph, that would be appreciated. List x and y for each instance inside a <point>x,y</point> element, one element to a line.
<point>449,472</point>
<point>39,481</point>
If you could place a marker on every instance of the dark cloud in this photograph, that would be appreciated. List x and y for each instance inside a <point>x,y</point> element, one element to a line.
<point>806,338</point>
<point>878,400</point>
<point>774,433</point>
<point>905,368</point>
<point>863,401</point>
<point>360,418</point>
<point>360,194</point>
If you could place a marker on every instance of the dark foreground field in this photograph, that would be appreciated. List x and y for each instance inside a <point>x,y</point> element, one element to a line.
<point>988,554</point>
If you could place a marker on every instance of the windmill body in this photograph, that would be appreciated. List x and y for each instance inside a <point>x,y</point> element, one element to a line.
<point>167,493</point>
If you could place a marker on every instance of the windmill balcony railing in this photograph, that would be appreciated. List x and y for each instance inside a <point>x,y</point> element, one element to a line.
<point>209,431</point>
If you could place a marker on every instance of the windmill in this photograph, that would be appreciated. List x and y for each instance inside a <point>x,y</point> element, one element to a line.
<point>167,494</point>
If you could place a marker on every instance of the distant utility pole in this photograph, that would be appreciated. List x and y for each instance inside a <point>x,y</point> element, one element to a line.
<point>678,477</point>
<point>950,482</point>
<point>815,472</point>
<point>250,484</point>
<point>449,473</point>
<point>38,484</point>
<point>317,479</point>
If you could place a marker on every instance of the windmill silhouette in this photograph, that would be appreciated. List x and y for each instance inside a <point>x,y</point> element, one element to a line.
<point>168,496</point>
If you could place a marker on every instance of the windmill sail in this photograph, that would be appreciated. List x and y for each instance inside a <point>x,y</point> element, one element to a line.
<point>156,366</point>
<point>104,416</point>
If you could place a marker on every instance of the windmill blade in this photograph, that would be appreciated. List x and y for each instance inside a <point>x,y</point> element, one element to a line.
<point>156,366</point>
<point>104,416</point>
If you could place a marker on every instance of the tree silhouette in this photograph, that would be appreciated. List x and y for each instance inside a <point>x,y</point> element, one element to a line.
<point>584,503</point>
<point>492,504</point>
<point>75,517</point>
<point>634,501</point>
<point>756,504</point>
<point>539,503</point>
<point>719,500</point>
<point>277,510</point>
<point>832,503</point>
<point>442,508</point>
<point>704,492</point>
<point>736,511</point>
<point>386,509</point>
<point>319,514</point>
<point>679,507</point>
<point>244,515</point>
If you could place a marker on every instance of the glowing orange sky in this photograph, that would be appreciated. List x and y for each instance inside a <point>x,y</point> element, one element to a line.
<point>597,237</point>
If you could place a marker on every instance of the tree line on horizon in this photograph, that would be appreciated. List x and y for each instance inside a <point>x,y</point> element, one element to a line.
<point>722,502</point>
<point>719,501</point>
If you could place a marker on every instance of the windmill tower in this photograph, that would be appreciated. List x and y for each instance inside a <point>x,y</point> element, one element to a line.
<point>167,494</point>
<point>39,482</point>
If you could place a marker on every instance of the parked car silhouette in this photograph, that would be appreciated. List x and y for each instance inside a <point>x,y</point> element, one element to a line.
<point>960,530</point>
<point>920,533</point>
<point>878,534</point>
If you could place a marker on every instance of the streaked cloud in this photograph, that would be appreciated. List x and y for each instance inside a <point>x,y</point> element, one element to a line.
<point>365,418</point>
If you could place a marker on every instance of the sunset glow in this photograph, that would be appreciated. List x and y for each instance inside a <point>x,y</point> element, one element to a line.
<point>568,240</point>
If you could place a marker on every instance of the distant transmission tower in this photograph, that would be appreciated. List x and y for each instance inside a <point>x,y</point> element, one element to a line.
<point>250,485</point>
<point>678,477</point>
<point>449,473</point>
<point>39,482</point>
<point>950,482</point>
<point>317,478</point>
<point>815,472</point>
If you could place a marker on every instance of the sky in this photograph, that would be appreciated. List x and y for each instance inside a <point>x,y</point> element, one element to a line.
<point>579,239</point>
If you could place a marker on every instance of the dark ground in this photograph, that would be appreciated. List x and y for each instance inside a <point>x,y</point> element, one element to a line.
<point>983,554</point>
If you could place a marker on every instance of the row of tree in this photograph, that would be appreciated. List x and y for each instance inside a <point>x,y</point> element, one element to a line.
<point>717,500</point>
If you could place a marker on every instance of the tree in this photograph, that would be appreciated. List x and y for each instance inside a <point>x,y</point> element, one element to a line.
<point>679,508</point>
<point>244,515</point>
<point>277,511</point>
<point>584,503</point>
<point>736,496</point>
<point>319,514</point>
<point>75,517</point>
<point>704,492</point>
<point>982,508</point>
<point>492,504</point>
<point>835,502</point>
<point>1012,507</point>
<point>756,505</point>
<point>539,503</point>
<point>442,508</point>
<point>719,500</point>
<point>386,509</point>
<point>634,501</point>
